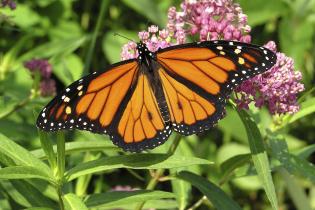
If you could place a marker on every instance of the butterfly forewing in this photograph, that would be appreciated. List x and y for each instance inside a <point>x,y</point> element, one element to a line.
<point>91,102</point>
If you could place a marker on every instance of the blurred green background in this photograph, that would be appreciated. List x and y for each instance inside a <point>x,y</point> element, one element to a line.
<point>77,37</point>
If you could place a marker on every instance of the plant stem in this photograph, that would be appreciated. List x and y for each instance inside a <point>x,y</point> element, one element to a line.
<point>99,22</point>
<point>155,179</point>
<point>60,155</point>
<point>59,192</point>
<point>60,166</point>
<point>198,203</point>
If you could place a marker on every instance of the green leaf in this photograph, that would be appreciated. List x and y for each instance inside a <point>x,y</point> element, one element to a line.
<point>113,44</point>
<point>61,31</point>
<point>68,68</point>
<point>231,149</point>
<point>259,157</point>
<point>116,198</point>
<point>24,172</point>
<point>19,155</point>
<point>180,188</point>
<point>182,191</point>
<point>217,197</point>
<point>47,148</point>
<point>232,123</point>
<point>75,147</point>
<point>295,191</point>
<point>32,195</point>
<point>228,166</point>
<point>260,12</point>
<point>46,189</point>
<point>307,108</point>
<point>300,40</point>
<point>38,208</point>
<point>61,154</point>
<point>292,163</point>
<point>148,9</point>
<point>305,152</point>
<point>135,161</point>
<point>7,104</point>
<point>150,204</point>
<point>23,16</point>
<point>56,49</point>
<point>73,202</point>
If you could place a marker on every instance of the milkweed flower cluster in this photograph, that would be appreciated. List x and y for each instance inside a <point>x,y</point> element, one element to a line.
<point>276,88</point>
<point>223,19</point>
<point>210,19</point>
<point>8,3</point>
<point>47,85</point>
<point>153,38</point>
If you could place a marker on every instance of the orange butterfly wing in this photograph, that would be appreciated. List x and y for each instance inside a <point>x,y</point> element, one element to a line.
<point>197,78</point>
<point>141,126</point>
<point>119,102</point>
<point>92,102</point>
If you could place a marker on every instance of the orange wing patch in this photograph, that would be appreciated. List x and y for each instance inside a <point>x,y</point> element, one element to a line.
<point>200,66</point>
<point>106,92</point>
<point>186,107</point>
<point>109,77</point>
<point>141,119</point>
<point>188,54</point>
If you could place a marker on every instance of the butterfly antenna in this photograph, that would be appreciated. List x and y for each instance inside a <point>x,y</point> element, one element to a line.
<point>117,34</point>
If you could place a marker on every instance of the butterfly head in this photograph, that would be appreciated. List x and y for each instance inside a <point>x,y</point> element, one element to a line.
<point>144,53</point>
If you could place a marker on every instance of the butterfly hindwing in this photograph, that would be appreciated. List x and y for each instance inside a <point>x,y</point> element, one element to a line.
<point>140,125</point>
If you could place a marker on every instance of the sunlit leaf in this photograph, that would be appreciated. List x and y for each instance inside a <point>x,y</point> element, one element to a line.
<point>69,68</point>
<point>135,161</point>
<point>73,202</point>
<point>260,12</point>
<point>116,198</point>
<point>32,195</point>
<point>55,49</point>
<point>259,156</point>
<point>19,155</point>
<point>228,166</point>
<point>79,146</point>
<point>24,172</point>
<point>295,191</point>
<point>112,44</point>
<point>151,11</point>
<point>292,163</point>
<point>307,108</point>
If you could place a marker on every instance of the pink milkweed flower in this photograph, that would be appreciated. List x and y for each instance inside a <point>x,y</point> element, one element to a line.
<point>47,85</point>
<point>41,65</point>
<point>8,3</point>
<point>212,19</point>
<point>154,39</point>
<point>277,88</point>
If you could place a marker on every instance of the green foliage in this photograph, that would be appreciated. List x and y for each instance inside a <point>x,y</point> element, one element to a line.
<point>251,160</point>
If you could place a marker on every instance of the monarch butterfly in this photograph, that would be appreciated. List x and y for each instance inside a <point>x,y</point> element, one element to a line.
<point>139,102</point>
